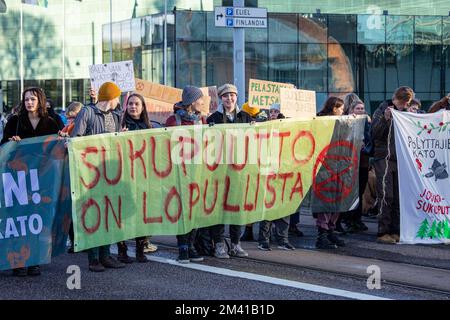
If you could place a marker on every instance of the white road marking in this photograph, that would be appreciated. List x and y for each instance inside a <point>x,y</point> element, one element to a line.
<point>266,279</point>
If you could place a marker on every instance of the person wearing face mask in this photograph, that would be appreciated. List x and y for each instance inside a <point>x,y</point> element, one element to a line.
<point>97,119</point>
<point>385,161</point>
<point>32,120</point>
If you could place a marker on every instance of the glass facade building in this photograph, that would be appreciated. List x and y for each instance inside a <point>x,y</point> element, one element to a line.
<point>330,46</point>
<point>332,54</point>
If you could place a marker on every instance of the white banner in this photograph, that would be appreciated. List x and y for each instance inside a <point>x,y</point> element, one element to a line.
<point>423,156</point>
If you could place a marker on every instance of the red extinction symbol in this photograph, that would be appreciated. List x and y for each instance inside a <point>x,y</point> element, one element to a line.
<point>338,174</point>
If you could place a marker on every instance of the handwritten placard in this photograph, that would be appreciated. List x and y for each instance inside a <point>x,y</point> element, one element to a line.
<point>264,93</point>
<point>298,103</point>
<point>121,73</point>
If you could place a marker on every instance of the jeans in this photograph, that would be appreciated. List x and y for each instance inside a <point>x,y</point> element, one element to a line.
<point>281,230</point>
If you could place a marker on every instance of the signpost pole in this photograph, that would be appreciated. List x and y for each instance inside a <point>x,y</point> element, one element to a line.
<point>239,57</point>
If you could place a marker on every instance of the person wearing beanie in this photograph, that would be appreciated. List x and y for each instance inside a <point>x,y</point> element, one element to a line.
<point>97,119</point>
<point>227,112</point>
<point>274,112</point>
<point>187,111</point>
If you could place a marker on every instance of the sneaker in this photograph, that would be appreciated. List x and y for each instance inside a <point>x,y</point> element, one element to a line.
<point>110,262</point>
<point>19,272</point>
<point>387,239</point>
<point>286,246</point>
<point>339,229</point>
<point>237,251</point>
<point>95,266</point>
<point>150,247</point>
<point>264,246</point>
<point>34,271</point>
<point>220,252</point>
<point>295,231</point>
<point>194,256</point>
<point>124,258</point>
<point>322,242</point>
<point>70,250</point>
<point>183,255</point>
<point>334,239</point>
<point>351,227</point>
<point>396,237</point>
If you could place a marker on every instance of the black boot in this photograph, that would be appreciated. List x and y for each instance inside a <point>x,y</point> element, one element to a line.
<point>248,234</point>
<point>334,239</point>
<point>322,240</point>
<point>140,256</point>
<point>123,256</point>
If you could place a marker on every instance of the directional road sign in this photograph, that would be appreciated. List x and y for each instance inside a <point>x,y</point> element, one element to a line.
<point>240,17</point>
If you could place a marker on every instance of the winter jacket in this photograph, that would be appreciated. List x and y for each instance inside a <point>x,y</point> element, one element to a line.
<point>220,117</point>
<point>20,125</point>
<point>90,120</point>
<point>132,124</point>
<point>379,133</point>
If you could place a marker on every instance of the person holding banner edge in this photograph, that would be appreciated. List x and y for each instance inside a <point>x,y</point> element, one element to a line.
<point>187,112</point>
<point>135,118</point>
<point>227,112</point>
<point>385,164</point>
<point>32,120</point>
<point>97,119</point>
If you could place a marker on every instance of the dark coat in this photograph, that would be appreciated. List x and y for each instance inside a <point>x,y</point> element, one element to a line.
<point>379,133</point>
<point>20,125</point>
<point>239,117</point>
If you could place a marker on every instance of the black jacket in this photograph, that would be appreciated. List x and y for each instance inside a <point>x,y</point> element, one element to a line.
<point>379,132</point>
<point>20,125</point>
<point>239,117</point>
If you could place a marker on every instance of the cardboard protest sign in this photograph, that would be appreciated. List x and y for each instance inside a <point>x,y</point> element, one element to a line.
<point>264,93</point>
<point>121,73</point>
<point>169,181</point>
<point>159,99</point>
<point>211,92</point>
<point>35,211</point>
<point>423,150</point>
<point>298,103</point>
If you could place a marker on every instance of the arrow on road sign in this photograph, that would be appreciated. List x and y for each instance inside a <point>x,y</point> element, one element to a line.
<point>219,16</point>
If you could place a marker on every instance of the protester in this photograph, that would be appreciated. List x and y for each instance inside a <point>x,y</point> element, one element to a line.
<point>443,104</point>
<point>352,219</point>
<point>227,112</point>
<point>32,120</point>
<point>385,164</point>
<point>349,99</point>
<point>135,118</point>
<point>97,119</point>
<point>326,221</point>
<point>187,112</point>
<point>72,110</point>
<point>51,112</point>
<point>415,106</point>
<point>274,112</point>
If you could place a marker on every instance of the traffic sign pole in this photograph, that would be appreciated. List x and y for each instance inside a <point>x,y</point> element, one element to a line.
<point>239,57</point>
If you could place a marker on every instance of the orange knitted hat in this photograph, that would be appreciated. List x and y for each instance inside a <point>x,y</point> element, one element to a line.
<point>108,91</point>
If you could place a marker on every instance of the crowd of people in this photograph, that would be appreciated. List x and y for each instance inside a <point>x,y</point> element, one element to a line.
<point>35,116</point>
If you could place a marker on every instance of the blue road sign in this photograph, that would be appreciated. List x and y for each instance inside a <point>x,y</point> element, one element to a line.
<point>229,12</point>
<point>230,22</point>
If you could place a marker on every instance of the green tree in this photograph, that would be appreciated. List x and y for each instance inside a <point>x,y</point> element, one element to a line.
<point>423,229</point>
<point>446,229</point>
<point>440,230</point>
<point>432,233</point>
